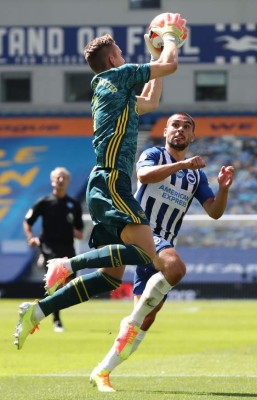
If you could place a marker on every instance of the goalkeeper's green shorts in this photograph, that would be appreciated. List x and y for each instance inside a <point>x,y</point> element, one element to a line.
<point>111,205</point>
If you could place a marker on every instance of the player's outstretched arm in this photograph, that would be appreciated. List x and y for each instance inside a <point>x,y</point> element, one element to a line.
<point>215,207</point>
<point>157,173</point>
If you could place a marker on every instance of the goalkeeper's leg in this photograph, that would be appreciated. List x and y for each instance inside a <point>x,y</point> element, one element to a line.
<point>78,290</point>
<point>138,248</point>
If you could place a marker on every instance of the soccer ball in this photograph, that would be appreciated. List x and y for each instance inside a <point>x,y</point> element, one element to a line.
<point>157,22</point>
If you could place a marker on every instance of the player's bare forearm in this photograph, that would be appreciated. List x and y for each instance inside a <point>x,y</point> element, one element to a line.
<point>167,63</point>
<point>150,97</point>
<point>216,207</point>
<point>156,173</point>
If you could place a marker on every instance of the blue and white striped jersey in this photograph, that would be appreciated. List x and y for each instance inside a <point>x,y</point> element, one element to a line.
<point>165,203</point>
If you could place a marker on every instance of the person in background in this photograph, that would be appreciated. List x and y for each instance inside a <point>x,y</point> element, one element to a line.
<point>61,223</point>
<point>167,184</point>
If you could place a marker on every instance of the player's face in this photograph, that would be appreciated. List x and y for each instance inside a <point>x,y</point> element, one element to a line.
<point>179,132</point>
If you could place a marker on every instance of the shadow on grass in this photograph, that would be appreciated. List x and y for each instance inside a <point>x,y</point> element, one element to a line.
<point>176,392</point>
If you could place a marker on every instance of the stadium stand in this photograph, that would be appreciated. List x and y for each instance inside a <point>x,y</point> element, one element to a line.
<point>227,140</point>
<point>239,151</point>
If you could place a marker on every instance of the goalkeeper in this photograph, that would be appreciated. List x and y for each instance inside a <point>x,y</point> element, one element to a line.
<point>121,234</point>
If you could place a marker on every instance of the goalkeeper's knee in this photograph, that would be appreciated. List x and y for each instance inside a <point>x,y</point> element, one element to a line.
<point>137,256</point>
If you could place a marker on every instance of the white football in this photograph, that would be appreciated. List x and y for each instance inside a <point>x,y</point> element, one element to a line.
<point>157,22</point>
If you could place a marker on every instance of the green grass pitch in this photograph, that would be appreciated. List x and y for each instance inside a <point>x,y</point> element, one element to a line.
<point>204,350</point>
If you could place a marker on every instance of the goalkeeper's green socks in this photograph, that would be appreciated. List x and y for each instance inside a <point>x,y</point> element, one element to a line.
<point>111,256</point>
<point>79,290</point>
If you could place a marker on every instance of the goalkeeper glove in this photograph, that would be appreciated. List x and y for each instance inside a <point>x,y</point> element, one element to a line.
<point>155,53</point>
<point>174,29</point>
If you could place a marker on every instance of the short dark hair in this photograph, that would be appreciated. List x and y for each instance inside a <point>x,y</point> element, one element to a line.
<point>185,115</point>
<point>95,52</point>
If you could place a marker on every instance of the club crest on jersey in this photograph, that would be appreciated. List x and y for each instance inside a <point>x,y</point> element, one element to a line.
<point>156,240</point>
<point>191,178</point>
<point>141,214</point>
<point>180,174</point>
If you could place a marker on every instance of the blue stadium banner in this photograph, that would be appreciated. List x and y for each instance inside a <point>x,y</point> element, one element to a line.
<point>26,163</point>
<point>63,45</point>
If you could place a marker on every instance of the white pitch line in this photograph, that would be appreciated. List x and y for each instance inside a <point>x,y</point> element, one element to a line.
<point>253,376</point>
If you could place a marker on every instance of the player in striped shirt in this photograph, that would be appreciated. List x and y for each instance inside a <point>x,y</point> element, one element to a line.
<point>167,184</point>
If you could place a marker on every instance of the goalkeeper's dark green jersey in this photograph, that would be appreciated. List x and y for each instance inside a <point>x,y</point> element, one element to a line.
<point>114,111</point>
